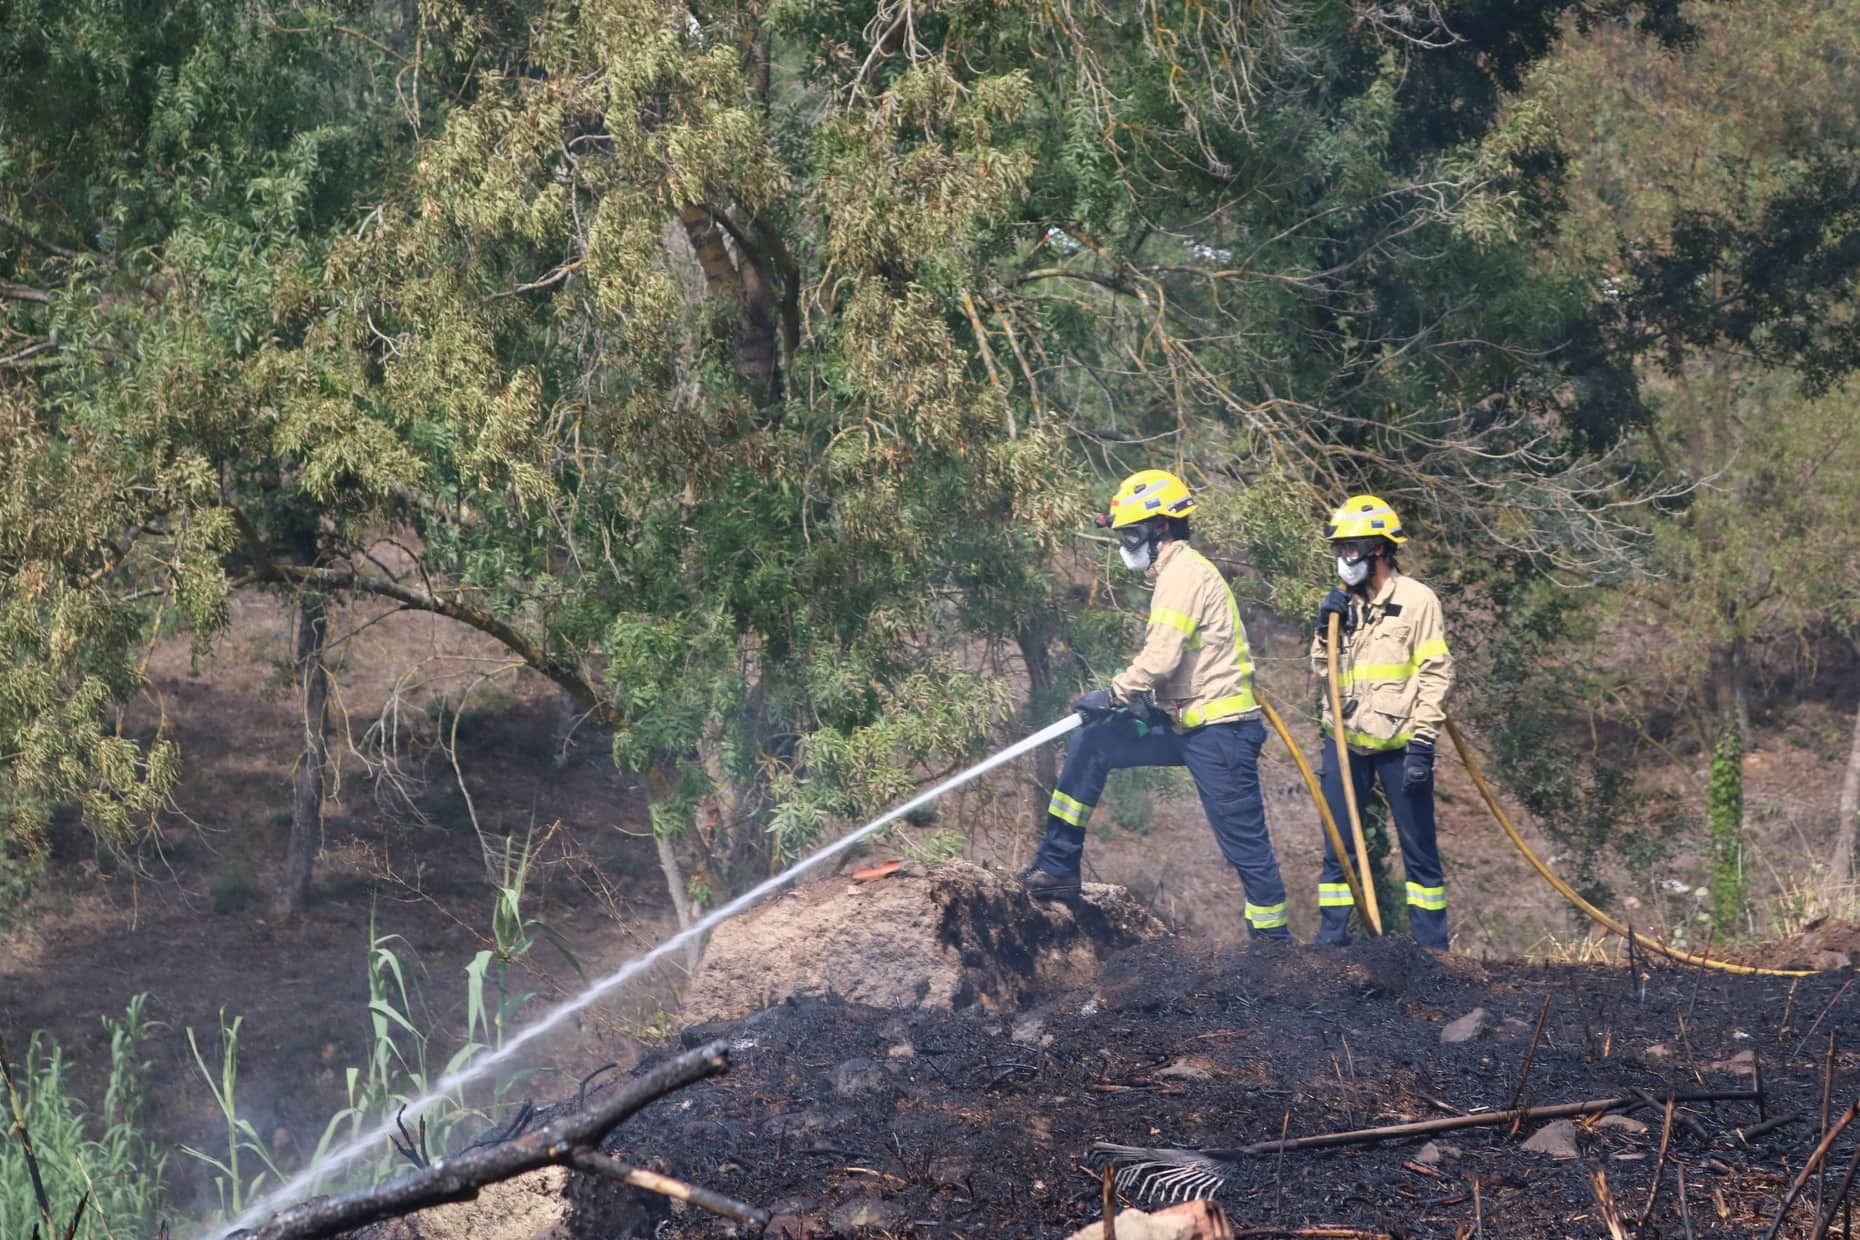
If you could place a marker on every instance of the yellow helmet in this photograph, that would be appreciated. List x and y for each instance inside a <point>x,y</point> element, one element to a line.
<point>1149,493</point>
<point>1365,516</point>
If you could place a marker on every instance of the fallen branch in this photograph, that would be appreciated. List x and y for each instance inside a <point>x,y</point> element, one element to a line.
<point>459,1178</point>
<point>596,1163</point>
<point>1180,1174</point>
<point>1770,1125</point>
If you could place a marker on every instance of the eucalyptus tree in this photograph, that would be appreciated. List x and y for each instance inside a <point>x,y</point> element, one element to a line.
<point>742,368</point>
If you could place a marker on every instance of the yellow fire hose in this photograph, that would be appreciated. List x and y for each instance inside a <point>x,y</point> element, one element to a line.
<point>1569,893</point>
<point>1324,815</point>
<point>1366,897</point>
<point>1363,894</point>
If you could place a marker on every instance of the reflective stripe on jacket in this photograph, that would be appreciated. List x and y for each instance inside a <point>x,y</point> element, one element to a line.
<point>1394,670</point>
<point>1194,659</point>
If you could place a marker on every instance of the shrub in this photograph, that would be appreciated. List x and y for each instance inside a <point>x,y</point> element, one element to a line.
<point>106,1155</point>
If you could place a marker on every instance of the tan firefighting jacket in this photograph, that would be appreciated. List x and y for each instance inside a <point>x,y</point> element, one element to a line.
<point>1394,670</point>
<point>1194,659</point>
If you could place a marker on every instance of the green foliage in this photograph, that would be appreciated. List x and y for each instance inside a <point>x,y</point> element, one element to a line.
<point>106,1158</point>
<point>1521,683</point>
<point>746,376</point>
<point>1379,838</point>
<point>1726,809</point>
<point>934,847</point>
<point>235,1185</point>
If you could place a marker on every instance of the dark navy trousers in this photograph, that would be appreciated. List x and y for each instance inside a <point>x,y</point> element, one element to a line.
<point>1224,760</point>
<point>1420,855</point>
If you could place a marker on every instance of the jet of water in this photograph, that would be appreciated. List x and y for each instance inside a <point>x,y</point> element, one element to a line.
<point>340,1156</point>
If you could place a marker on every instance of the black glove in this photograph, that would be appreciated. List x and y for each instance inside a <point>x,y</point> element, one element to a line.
<point>1417,769</point>
<point>1095,706</point>
<point>1338,600</point>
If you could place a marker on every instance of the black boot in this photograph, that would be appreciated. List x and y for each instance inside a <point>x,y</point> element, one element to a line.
<point>1044,886</point>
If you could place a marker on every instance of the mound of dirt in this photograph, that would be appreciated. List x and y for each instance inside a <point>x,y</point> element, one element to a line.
<point>1830,945</point>
<point>952,936</point>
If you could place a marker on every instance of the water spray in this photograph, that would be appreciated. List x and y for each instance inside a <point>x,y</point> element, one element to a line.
<point>342,1155</point>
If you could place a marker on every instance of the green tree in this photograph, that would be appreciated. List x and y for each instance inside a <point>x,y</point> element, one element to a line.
<point>743,371</point>
<point>1710,191</point>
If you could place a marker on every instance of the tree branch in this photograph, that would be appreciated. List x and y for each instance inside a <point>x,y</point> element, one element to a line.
<point>12,361</point>
<point>596,1163</point>
<point>34,238</point>
<point>422,599</point>
<point>24,292</point>
<point>460,1177</point>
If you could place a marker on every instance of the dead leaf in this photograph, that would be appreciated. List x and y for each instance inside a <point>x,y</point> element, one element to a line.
<point>884,869</point>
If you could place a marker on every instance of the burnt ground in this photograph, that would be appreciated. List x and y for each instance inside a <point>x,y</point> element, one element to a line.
<point>849,1119</point>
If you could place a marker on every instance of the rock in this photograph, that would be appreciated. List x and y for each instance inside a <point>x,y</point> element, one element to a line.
<point>1743,1061</point>
<point>858,1077</point>
<point>1192,1220</point>
<point>1826,961</point>
<point>1195,1068</point>
<point>530,1207</point>
<point>957,936</point>
<point>1436,1152</point>
<point>1027,1031</point>
<point>859,1213</point>
<point>1556,1138</point>
<point>1466,1028</point>
<point>903,1050</point>
<point>795,1125</point>
<point>1621,1123</point>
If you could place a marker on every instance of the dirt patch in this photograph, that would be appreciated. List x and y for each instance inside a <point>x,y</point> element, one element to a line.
<point>948,937</point>
<point>530,1207</point>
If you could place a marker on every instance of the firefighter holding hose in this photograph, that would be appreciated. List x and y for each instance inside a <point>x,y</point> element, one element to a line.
<point>1185,700</point>
<point>1394,673</point>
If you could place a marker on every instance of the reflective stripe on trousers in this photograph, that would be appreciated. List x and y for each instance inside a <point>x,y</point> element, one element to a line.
<point>1420,855</point>
<point>1224,760</point>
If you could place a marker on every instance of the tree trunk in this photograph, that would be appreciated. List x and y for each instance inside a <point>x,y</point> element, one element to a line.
<point>1039,662</point>
<point>1740,692</point>
<point>567,716</point>
<point>681,898</point>
<point>1841,864</point>
<point>758,358</point>
<point>1725,807</point>
<point>308,788</point>
<point>1725,705</point>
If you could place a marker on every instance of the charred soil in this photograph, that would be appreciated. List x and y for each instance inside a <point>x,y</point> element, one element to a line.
<point>850,1119</point>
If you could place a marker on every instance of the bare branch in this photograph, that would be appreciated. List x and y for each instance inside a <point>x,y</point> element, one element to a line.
<point>460,1177</point>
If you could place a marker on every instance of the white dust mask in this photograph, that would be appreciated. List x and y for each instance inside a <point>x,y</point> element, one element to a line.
<point>1137,544</point>
<point>1352,572</point>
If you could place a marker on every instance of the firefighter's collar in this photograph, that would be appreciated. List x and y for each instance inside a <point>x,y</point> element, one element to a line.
<point>1165,553</point>
<point>1388,589</point>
